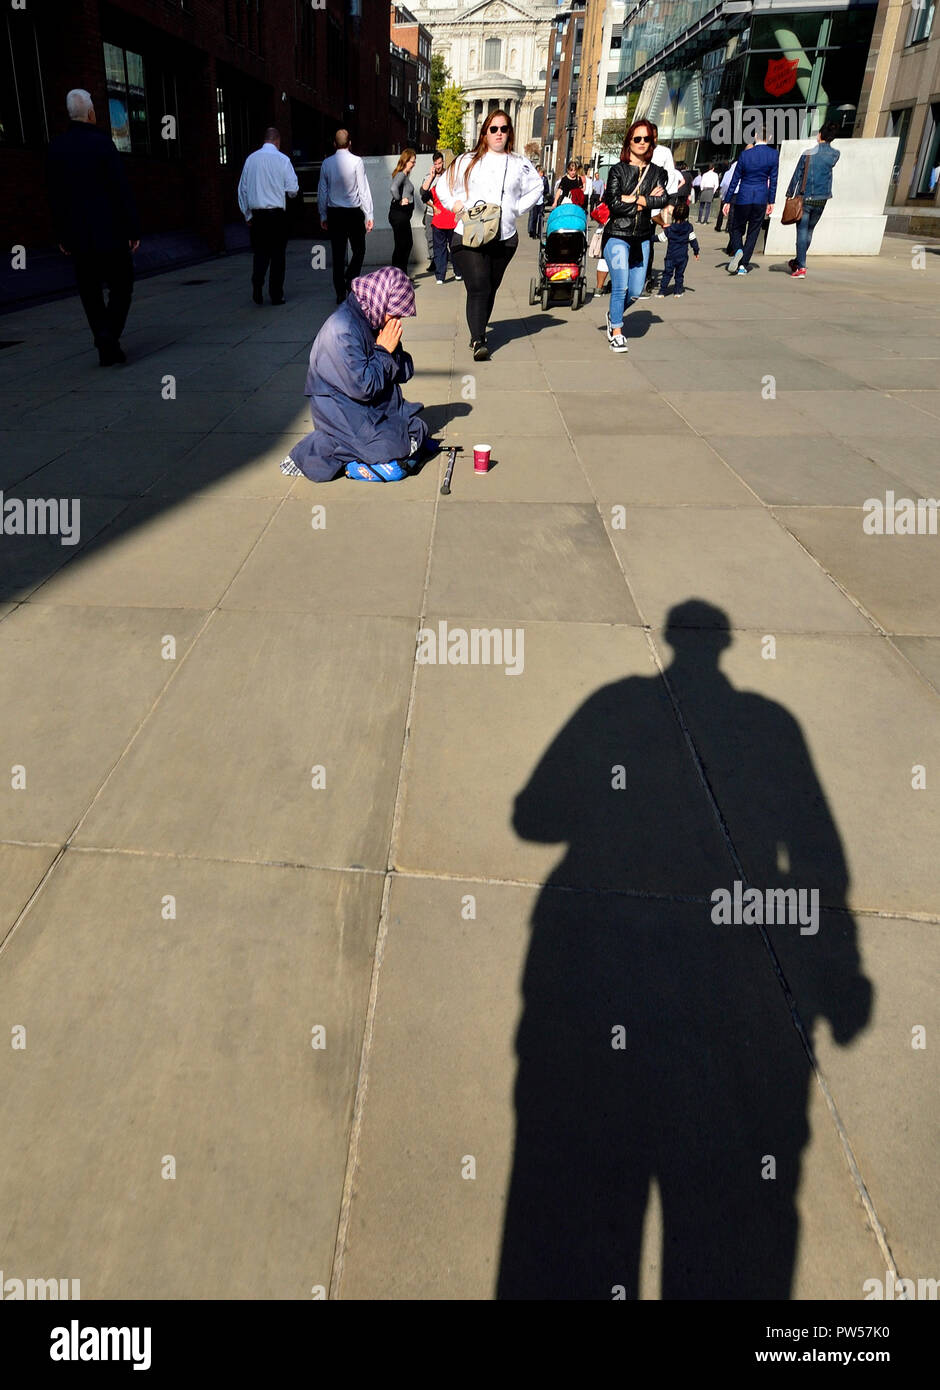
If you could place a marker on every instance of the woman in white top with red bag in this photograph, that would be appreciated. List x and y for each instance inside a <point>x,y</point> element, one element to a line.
<point>491,173</point>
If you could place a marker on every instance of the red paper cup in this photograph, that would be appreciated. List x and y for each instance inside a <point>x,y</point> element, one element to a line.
<point>481,458</point>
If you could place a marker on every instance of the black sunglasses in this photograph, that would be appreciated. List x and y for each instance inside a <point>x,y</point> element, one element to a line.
<point>499,129</point>
<point>640,139</point>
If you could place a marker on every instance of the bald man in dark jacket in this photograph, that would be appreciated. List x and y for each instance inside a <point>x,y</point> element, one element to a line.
<point>95,220</point>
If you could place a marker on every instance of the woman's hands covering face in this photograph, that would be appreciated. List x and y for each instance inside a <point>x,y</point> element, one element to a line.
<point>390,335</point>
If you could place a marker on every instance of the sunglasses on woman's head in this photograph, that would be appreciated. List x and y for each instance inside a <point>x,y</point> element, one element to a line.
<point>499,129</point>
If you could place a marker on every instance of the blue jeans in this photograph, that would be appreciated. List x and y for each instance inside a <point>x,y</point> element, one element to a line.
<point>804,231</point>
<point>626,261</point>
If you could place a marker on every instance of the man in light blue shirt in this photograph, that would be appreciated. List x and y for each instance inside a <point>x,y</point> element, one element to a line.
<point>267,178</point>
<point>344,202</point>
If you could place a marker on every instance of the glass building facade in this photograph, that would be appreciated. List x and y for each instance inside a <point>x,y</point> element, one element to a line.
<point>704,71</point>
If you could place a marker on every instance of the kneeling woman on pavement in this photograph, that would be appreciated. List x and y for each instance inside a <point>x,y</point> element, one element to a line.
<point>363,426</point>
<point>633,188</point>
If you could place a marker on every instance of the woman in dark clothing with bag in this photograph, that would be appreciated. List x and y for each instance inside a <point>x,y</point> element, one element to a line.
<point>486,191</point>
<point>633,189</point>
<point>401,209</point>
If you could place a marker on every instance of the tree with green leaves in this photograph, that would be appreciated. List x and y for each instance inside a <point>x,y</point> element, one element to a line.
<point>440,76</point>
<point>450,119</point>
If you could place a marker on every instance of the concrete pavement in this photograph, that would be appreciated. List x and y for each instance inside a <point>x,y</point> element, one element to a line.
<point>328,969</point>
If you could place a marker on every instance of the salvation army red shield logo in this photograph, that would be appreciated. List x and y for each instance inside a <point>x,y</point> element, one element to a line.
<point>781,76</point>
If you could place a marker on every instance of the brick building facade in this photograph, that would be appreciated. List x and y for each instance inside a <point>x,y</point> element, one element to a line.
<point>187,88</point>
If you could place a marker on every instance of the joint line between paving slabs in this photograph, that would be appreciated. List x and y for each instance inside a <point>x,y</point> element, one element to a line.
<point>362,1079</point>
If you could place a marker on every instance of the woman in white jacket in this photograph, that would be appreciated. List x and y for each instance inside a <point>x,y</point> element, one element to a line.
<point>490,174</point>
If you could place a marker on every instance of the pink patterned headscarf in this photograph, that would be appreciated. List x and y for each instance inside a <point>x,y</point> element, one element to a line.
<point>387,291</point>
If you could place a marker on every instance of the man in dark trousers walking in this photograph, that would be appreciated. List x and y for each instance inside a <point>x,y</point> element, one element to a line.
<point>344,202</point>
<point>267,177</point>
<point>752,189</point>
<point>95,221</point>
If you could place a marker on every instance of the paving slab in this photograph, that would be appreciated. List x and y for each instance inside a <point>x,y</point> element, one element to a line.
<point>26,561</point>
<point>661,469</point>
<point>345,564</point>
<point>618,410</point>
<point>112,464</point>
<point>893,373</point>
<point>804,469</point>
<point>225,766</point>
<point>567,1137</point>
<point>23,453</point>
<point>873,412</point>
<point>545,746</point>
<point>811,765</point>
<point>882,1071</point>
<point>151,1040</point>
<point>160,556</point>
<point>224,465</point>
<point>895,577</point>
<point>497,411</point>
<point>740,412</point>
<point>74,686</point>
<point>522,469</point>
<point>739,560</point>
<point>525,561</point>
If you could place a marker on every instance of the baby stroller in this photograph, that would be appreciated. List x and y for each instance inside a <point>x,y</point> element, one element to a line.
<point>562,253</point>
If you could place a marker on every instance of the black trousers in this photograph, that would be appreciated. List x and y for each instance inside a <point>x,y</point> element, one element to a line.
<point>269,242</point>
<point>94,269</point>
<point>346,225</point>
<point>719,220</point>
<point>399,219</point>
<point>483,269</point>
<point>746,221</point>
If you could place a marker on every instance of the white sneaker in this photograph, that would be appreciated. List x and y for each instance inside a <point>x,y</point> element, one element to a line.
<point>618,343</point>
<point>610,331</point>
<point>440,282</point>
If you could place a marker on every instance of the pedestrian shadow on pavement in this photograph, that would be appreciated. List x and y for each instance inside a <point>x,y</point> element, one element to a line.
<point>638,322</point>
<point>656,1046</point>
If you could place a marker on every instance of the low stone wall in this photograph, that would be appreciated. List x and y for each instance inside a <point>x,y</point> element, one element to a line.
<point>854,221</point>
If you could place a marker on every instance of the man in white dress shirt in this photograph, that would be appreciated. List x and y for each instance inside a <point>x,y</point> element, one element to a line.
<point>344,201</point>
<point>266,178</point>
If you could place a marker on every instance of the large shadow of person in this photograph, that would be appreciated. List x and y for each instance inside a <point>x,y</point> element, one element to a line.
<point>657,1045</point>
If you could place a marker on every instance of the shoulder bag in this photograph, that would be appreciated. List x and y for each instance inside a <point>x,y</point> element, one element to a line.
<point>793,206</point>
<point>481,222</point>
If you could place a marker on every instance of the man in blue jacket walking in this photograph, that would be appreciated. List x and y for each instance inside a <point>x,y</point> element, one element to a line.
<point>752,189</point>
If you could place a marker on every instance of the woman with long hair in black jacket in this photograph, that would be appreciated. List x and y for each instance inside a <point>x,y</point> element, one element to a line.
<point>633,188</point>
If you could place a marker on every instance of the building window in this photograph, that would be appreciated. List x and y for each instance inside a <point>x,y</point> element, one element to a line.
<point>921,22</point>
<point>899,124</point>
<point>927,174</point>
<point>220,125</point>
<point>492,54</point>
<point>127,100</point>
<point>22,98</point>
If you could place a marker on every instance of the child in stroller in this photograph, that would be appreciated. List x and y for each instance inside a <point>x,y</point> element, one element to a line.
<point>562,252</point>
